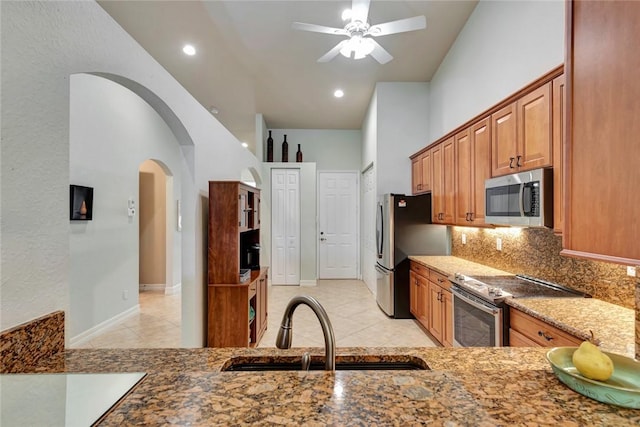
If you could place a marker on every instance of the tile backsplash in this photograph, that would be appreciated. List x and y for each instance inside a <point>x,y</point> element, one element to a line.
<point>536,252</point>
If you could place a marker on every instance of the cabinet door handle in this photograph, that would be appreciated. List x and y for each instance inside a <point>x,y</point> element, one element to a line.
<point>466,217</point>
<point>545,335</point>
<point>470,216</point>
<point>511,159</point>
<point>518,164</point>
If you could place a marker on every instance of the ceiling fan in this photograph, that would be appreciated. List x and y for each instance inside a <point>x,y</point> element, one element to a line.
<point>360,42</point>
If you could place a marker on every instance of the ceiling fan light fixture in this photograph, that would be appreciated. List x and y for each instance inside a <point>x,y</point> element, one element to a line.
<point>346,14</point>
<point>359,46</point>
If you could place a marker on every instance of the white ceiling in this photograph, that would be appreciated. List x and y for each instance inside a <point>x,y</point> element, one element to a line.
<point>250,61</point>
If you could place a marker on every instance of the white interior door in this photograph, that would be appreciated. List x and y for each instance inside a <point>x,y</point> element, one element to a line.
<point>285,226</point>
<point>338,201</point>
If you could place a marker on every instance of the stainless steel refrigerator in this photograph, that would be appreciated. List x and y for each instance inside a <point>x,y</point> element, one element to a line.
<point>403,228</point>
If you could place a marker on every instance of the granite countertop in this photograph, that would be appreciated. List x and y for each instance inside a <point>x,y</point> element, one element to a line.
<point>449,265</point>
<point>470,386</point>
<point>612,325</point>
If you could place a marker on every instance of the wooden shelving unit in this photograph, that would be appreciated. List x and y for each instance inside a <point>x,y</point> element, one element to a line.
<point>234,221</point>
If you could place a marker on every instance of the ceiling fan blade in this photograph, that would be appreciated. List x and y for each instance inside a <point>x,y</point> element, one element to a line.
<point>333,52</point>
<point>360,10</point>
<point>399,26</point>
<point>379,54</point>
<point>319,29</point>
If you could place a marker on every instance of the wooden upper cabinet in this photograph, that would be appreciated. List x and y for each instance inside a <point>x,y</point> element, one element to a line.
<point>481,152</point>
<point>473,167</point>
<point>437,180</point>
<point>534,129</point>
<point>421,173</point>
<point>559,129</point>
<point>443,182</point>
<point>425,161</point>
<point>602,208</point>
<point>464,174</point>
<point>416,175</point>
<point>521,134</point>
<point>503,142</point>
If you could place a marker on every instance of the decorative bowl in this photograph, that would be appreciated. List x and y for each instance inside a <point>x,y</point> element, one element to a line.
<point>622,389</point>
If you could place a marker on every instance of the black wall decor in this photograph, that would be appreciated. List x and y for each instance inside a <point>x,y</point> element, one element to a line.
<point>81,203</point>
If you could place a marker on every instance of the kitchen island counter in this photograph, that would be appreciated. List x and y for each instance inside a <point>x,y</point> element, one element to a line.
<point>471,386</point>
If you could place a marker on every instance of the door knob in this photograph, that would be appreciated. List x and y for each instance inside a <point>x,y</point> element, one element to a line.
<point>322,239</point>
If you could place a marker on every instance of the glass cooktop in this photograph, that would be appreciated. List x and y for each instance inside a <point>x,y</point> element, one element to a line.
<point>521,286</point>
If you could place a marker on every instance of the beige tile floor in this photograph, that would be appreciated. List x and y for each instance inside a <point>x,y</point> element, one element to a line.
<point>157,325</point>
<point>356,319</point>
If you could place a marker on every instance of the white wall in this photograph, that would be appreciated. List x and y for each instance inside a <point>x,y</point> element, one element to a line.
<point>308,214</point>
<point>262,133</point>
<point>43,44</point>
<point>369,195</point>
<point>503,46</point>
<point>329,149</point>
<point>113,131</point>
<point>402,127</point>
<point>395,126</point>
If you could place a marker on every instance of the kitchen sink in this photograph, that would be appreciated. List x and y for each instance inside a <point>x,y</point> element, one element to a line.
<point>348,363</point>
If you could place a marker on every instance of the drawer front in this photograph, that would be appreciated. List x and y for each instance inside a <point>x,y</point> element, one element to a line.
<point>540,332</point>
<point>419,269</point>
<point>516,339</point>
<point>439,279</point>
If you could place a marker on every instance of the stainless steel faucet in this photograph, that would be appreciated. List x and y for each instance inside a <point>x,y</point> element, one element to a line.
<point>285,334</point>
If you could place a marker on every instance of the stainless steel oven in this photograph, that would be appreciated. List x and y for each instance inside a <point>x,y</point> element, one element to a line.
<point>476,323</point>
<point>480,314</point>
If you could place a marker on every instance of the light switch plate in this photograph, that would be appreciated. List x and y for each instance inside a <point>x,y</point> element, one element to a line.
<point>464,239</point>
<point>499,243</point>
<point>631,271</point>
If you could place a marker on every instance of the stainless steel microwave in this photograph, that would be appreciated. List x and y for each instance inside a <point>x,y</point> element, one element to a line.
<point>522,199</point>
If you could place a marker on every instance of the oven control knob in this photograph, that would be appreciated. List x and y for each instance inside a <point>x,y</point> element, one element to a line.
<point>459,276</point>
<point>498,292</point>
<point>492,291</point>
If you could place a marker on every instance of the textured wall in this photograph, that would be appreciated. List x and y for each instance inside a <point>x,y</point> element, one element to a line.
<point>43,43</point>
<point>503,46</point>
<point>537,252</point>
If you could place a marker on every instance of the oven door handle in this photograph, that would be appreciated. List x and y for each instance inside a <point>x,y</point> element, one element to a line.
<point>479,306</point>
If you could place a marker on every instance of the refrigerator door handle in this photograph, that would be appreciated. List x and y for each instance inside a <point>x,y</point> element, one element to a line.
<point>382,270</point>
<point>379,231</point>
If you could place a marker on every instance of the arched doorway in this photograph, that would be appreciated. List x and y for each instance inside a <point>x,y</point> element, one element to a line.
<point>156,228</point>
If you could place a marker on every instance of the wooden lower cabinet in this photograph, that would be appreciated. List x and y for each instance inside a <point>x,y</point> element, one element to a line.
<point>435,311</point>
<point>447,319</point>
<point>418,289</point>
<point>229,322</point>
<point>528,331</point>
<point>431,303</point>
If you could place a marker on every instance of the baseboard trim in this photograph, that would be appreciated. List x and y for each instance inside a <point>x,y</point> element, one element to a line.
<point>160,287</point>
<point>103,326</point>
<point>173,290</point>
<point>308,282</point>
<point>152,286</point>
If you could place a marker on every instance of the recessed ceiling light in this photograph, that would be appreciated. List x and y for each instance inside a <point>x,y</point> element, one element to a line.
<point>245,145</point>
<point>189,50</point>
<point>338,93</point>
<point>346,14</point>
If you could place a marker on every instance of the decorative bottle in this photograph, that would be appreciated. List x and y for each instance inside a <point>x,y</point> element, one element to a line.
<point>299,155</point>
<point>270,148</point>
<point>285,150</point>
